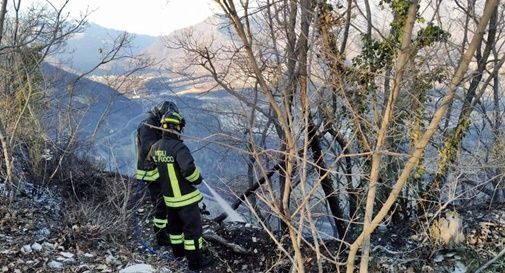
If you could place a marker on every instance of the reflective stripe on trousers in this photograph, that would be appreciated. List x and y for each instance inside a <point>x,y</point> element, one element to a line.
<point>176,239</point>
<point>160,223</point>
<point>190,244</point>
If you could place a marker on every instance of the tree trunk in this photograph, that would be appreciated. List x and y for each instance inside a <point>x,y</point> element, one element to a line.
<point>452,143</point>
<point>6,147</point>
<point>401,64</point>
<point>3,11</point>
<point>368,19</point>
<point>348,17</point>
<point>332,197</point>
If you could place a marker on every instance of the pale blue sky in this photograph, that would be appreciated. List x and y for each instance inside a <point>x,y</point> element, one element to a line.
<point>152,17</point>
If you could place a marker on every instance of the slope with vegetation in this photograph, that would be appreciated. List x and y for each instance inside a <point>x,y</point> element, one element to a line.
<point>359,135</point>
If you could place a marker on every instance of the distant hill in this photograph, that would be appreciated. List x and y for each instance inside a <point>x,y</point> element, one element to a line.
<point>114,117</point>
<point>94,106</point>
<point>82,51</point>
<point>165,48</point>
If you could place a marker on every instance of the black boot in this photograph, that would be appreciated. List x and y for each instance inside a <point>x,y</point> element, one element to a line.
<point>161,236</point>
<point>196,261</point>
<point>178,251</point>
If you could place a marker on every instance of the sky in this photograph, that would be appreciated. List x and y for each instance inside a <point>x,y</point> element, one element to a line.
<point>151,17</point>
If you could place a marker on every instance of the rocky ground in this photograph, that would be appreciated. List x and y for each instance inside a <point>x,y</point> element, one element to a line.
<point>482,237</point>
<point>35,237</point>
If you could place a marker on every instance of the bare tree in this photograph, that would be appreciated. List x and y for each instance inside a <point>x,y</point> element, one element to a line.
<point>353,120</point>
<point>421,145</point>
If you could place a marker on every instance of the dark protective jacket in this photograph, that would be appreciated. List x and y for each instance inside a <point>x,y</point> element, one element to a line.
<point>171,159</point>
<point>146,137</point>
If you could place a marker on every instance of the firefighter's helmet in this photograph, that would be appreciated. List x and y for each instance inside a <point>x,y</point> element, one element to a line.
<point>172,120</point>
<point>164,107</point>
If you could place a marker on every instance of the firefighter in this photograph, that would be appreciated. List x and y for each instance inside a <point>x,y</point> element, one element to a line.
<point>147,136</point>
<point>171,159</point>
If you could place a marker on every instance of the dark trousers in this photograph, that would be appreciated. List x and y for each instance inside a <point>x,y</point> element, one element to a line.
<point>160,214</point>
<point>185,229</point>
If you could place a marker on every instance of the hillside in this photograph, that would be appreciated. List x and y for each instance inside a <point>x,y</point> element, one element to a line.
<point>109,119</point>
<point>172,57</point>
<point>84,50</point>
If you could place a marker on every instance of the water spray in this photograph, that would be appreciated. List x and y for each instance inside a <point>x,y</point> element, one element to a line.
<point>233,216</point>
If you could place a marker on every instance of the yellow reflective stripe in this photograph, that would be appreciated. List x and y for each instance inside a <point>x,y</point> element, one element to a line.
<point>160,223</point>
<point>174,182</point>
<point>176,239</point>
<point>177,115</point>
<point>190,244</point>
<point>187,199</point>
<point>194,176</point>
<point>147,175</point>
<point>149,178</point>
<point>173,120</point>
<point>140,174</point>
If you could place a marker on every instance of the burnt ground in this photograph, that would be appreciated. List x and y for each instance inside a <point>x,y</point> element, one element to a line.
<point>38,236</point>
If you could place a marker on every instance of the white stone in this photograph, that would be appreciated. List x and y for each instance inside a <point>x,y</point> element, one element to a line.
<point>83,267</point>
<point>110,259</point>
<point>48,246</point>
<point>438,258</point>
<point>138,268</point>
<point>67,255</point>
<point>26,249</point>
<point>449,229</point>
<point>88,255</point>
<point>165,270</point>
<point>101,267</point>
<point>459,267</point>
<point>69,260</point>
<point>36,247</point>
<point>55,265</point>
<point>254,239</point>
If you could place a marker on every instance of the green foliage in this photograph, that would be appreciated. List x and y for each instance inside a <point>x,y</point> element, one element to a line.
<point>451,145</point>
<point>399,7</point>
<point>431,34</point>
<point>400,10</point>
<point>422,82</point>
<point>325,7</point>
<point>327,21</point>
<point>375,55</point>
